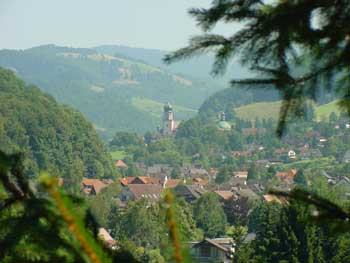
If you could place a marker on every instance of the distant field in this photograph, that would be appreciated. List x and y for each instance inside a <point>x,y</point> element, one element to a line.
<point>325,110</point>
<point>265,110</point>
<point>119,155</point>
<point>155,108</point>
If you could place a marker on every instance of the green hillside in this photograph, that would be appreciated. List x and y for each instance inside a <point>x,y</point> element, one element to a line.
<point>262,110</point>
<point>103,87</point>
<point>53,137</point>
<point>265,110</point>
<point>323,111</point>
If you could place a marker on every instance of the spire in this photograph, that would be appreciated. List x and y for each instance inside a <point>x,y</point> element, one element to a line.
<point>223,116</point>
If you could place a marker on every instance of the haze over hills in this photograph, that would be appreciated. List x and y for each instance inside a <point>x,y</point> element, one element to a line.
<point>198,67</point>
<point>114,92</point>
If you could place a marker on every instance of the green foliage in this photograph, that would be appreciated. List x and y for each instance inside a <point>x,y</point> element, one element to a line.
<point>101,205</point>
<point>292,57</point>
<point>142,224</point>
<point>41,227</point>
<point>253,173</point>
<point>300,178</point>
<point>209,215</point>
<point>223,175</point>
<point>123,139</point>
<point>53,137</point>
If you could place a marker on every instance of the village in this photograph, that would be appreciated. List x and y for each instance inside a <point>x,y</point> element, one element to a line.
<point>238,192</point>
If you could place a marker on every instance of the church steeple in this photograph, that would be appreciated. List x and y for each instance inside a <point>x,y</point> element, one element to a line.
<point>168,120</point>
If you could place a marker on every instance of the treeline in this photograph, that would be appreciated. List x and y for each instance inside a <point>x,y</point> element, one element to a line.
<point>53,137</point>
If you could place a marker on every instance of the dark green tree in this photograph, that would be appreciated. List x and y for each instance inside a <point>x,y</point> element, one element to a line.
<point>300,178</point>
<point>209,215</point>
<point>223,175</point>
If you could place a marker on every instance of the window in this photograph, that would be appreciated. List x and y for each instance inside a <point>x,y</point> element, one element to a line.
<point>204,251</point>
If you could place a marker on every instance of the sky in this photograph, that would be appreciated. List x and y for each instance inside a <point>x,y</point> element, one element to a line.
<point>157,24</point>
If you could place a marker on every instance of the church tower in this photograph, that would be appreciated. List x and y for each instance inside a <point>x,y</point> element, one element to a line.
<point>168,120</point>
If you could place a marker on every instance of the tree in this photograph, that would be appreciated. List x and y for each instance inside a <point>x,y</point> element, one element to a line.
<point>253,173</point>
<point>275,49</point>
<point>209,215</point>
<point>300,178</point>
<point>223,175</point>
<point>122,139</point>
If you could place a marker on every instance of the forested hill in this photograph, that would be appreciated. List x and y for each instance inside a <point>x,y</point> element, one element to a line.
<point>114,92</point>
<point>53,137</point>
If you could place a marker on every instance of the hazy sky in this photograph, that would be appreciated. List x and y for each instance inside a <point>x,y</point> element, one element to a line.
<point>160,24</point>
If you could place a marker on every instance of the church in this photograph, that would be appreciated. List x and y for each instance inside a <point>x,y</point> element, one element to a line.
<point>169,125</point>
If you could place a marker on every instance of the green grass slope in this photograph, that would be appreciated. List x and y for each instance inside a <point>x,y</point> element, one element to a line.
<point>265,110</point>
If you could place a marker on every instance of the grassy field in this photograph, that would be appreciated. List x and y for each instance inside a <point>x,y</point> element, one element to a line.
<point>119,155</point>
<point>155,108</point>
<point>325,110</point>
<point>265,110</point>
<point>321,163</point>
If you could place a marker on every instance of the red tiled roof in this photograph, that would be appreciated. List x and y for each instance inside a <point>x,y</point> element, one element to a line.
<point>241,174</point>
<point>120,164</point>
<point>148,180</point>
<point>200,181</point>
<point>126,180</point>
<point>272,198</point>
<point>170,183</point>
<point>287,175</point>
<point>226,195</point>
<point>96,184</point>
<point>149,191</point>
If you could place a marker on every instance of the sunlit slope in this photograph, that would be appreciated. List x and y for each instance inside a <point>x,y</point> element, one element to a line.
<point>265,110</point>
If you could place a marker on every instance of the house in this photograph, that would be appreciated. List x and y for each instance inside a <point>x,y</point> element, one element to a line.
<point>224,195</point>
<point>120,164</point>
<point>198,172</point>
<point>274,198</point>
<point>329,178</point>
<point>200,182</point>
<point>241,174</point>
<point>244,193</point>
<point>343,187</point>
<point>346,158</point>
<point>232,182</point>
<point>189,192</point>
<point>292,154</point>
<point>106,238</point>
<point>145,180</point>
<point>132,192</point>
<point>126,180</point>
<point>93,186</point>
<point>212,250</point>
<point>287,176</point>
<point>238,154</point>
<point>171,183</point>
<point>139,180</point>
